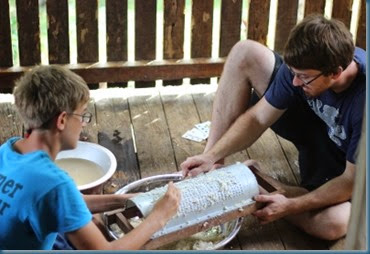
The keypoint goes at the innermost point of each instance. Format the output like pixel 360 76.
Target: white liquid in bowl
pixel 82 171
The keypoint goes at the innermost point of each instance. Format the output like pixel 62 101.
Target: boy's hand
pixel 167 206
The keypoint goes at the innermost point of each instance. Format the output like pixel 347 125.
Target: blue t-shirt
pixel 37 200
pixel 342 112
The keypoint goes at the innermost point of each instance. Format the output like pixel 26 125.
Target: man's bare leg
pixel 329 223
pixel 249 65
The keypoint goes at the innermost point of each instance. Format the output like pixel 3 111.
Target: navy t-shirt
pixel 342 112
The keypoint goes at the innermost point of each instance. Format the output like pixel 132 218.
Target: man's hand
pixel 198 164
pixel 277 206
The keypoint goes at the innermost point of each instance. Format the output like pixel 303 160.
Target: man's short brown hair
pixel 319 43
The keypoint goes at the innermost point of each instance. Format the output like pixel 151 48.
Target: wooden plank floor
pixel 143 128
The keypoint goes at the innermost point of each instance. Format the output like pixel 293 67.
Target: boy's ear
pixel 61 121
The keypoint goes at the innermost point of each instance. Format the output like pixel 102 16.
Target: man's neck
pixel 346 78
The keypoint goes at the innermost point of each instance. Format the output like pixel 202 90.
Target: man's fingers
pixel 263 198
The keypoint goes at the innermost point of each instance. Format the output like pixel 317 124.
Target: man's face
pixel 312 82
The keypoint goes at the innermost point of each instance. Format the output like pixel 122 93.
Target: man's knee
pixel 331 224
pixel 331 231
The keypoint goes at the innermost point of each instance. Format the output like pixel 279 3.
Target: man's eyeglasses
pixel 304 81
pixel 85 118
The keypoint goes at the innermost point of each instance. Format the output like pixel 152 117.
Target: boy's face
pixel 76 120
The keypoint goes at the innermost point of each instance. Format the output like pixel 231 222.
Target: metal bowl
pixel 229 229
pixel 97 154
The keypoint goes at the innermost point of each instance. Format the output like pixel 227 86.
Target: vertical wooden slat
pixel 116 26
pixel 231 17
pixel 317 6
pixel 285 21
pixel 201 32
pixel 173 33
pixel 28 32
pixel 87 32
pixel 58 31
pixel 5 35
pixel 361 30
pixel 145 33
pixel 258 20
pixel 342 10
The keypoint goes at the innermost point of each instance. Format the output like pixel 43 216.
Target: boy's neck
pixel 39 140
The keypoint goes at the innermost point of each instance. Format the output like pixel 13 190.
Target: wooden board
pixel 291 154
pixel 116 27
pixel 258 20
pixel 125 71
pixel 342 10
pixel 285 21
pixel 90 131
pixel 6 57
pixel 361 30
pixel 145 31
pixel 181 115
pixel 10 123
pixel 28 32
pixel 58 31
pixel 87 33
pixel 231 17
pixel 173 33
pixel 317 6
pixel 153 143
pixel 201 32
pixel 114 133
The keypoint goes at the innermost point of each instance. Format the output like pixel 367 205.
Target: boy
pixel 37 199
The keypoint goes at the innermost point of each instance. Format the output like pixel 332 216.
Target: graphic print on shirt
pixel 8 188
pixel 329 115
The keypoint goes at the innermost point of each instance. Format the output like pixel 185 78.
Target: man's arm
pixel 335 191
pixel 244 132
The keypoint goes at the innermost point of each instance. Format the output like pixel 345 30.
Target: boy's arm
pixel 106 202
pixel 90 238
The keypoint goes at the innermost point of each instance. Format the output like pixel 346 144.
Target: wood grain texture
pixel 114 133
pixel 153 143
pixel 258 20
pixel 317 6
pixel 28 32
pixel 145 33
pixel 116 37
pixel 361 30
pixel 231 17
pixel 124 71
pixel 181 115
pixel 286 19
pixel 6 57
pixel 58 31
pixel 201 32
pixel 87 31
pixel 342 10
pixel 10 123
pixel 173 33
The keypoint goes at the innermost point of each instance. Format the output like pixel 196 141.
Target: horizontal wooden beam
pixel 131 71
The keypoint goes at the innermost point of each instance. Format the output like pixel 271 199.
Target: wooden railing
pixel 145 68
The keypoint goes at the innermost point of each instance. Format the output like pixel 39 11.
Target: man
pixel 315 98
pixel 38 200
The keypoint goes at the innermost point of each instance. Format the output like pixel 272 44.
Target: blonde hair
pixel 46 91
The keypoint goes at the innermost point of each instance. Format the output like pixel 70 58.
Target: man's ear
pixel 61 121
pixel 337 73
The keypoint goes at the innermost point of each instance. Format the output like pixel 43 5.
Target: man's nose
pixel 297 82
